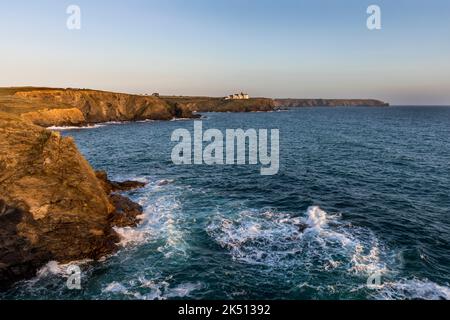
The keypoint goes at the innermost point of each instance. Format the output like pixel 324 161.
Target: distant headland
pixel 80 107
pixel 53 205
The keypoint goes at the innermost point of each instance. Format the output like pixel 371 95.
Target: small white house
pixel 238 96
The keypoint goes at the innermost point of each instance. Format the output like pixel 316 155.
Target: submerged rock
pixel 52 205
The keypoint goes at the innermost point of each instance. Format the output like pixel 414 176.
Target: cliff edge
pixel 53 206
pixel 76 107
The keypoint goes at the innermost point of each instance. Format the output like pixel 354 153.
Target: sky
pixel 279 49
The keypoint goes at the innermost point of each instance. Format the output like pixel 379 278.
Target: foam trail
pixel 160 221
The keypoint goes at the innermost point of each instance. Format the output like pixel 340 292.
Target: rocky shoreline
pixel 53 206
pixel 49 107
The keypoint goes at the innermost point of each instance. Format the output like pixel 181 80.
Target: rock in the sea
pixel 127 212
pixel 114 186
pixel 52 205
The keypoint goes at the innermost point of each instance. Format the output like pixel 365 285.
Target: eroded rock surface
pixel 127 212
pixel 95 106
pixel 52 205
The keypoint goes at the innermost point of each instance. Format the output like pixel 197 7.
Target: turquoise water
pixel 371 184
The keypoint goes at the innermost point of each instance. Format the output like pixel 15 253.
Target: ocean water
pixel 371 184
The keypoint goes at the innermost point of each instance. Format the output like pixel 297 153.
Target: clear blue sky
pixel 283 48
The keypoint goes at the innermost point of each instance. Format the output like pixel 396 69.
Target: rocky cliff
pixel 296 103
pixel 53 206
pixel 206 104
pixel 60 107
pixel 56 117
pixel 77 107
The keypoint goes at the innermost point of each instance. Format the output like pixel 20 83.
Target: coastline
pixel 54 107
pixel 32 212
pixel 53 206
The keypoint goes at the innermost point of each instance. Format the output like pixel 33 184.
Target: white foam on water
pixel 317 241
pixel 184 290
pixel 145 121
pixel 160 220
pixel 56 128
pixel 182 119
pixel 116 122
pixel 53 272
pixel 53 268
pixel 143 289
pixel 115 287
pixel 412 290
pixel 133 236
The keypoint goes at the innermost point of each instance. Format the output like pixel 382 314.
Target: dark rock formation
pixel 52 205
pixel 113 186
pixel 126 213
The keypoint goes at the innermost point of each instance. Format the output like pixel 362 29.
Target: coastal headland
pixel 53 205
pixel 48 107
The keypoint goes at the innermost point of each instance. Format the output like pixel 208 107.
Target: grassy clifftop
pixel 76 107
pixel 50 106
pixel 207 104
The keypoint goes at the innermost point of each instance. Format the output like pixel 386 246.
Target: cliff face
pixel 205 104
pixel 293 103
pixel 56 117
pixel 50 107
pixel 77 107
pixel 52 205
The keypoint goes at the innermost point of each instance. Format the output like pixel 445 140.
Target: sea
pixel 360 209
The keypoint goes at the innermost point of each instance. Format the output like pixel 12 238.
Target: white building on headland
pixel 238 96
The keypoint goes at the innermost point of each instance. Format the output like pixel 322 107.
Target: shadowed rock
pixel 114 186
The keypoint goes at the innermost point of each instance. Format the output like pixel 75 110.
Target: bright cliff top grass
pixel 11 103
pixel 15 101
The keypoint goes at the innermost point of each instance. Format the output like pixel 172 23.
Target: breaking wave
pixel 160 220
pixel 316 241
